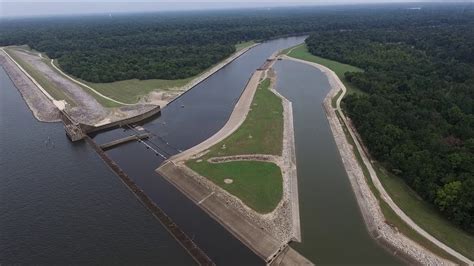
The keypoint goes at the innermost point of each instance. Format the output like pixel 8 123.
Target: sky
pixel 24 8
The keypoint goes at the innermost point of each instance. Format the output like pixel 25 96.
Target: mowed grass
pixel 262 130
pixel 426 215
pixel 55 92
pixel 301 52
pixel 390 216
pixel 257 184
pixel 130 91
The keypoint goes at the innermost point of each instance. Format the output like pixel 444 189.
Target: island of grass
pixel 259 184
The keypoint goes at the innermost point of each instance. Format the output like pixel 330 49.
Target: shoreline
pixel 382 232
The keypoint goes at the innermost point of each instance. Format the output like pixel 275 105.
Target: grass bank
pixel 262 130
pixel 301 52
pixel 257 184
pixel 424 214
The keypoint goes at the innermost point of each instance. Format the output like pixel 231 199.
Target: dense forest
pixel 173 45
pixel 416 112
pixel 416 115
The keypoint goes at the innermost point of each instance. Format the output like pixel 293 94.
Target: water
pixel 61 204
pixel 333 230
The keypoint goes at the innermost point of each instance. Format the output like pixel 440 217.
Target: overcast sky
pixel 22 8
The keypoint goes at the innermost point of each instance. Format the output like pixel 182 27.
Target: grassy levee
pixel 301 52
pixel 56 92
pixel 424 214
pixel 257 184
pixel 130 91
pixel 390 216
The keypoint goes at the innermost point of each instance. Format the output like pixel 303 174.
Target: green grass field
pixel 130 91
pixel 56 92
pixel 257 184
pixel 262 130
pixel 301 52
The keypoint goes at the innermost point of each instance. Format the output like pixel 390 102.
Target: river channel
pixel 333 230
pixel 64 205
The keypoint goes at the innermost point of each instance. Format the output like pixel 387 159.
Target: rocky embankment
pixel 41 107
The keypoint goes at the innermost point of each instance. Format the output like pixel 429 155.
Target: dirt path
pixel 420 253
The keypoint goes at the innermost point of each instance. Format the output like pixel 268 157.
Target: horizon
pixel 39 9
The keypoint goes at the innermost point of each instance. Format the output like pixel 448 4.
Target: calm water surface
pixel 333 229
pixel 61 204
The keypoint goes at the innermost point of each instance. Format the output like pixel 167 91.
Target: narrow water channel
pixel 60 204
pixel 333 230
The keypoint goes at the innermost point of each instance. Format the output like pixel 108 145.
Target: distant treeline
pixel 416 116
pixel 180 45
